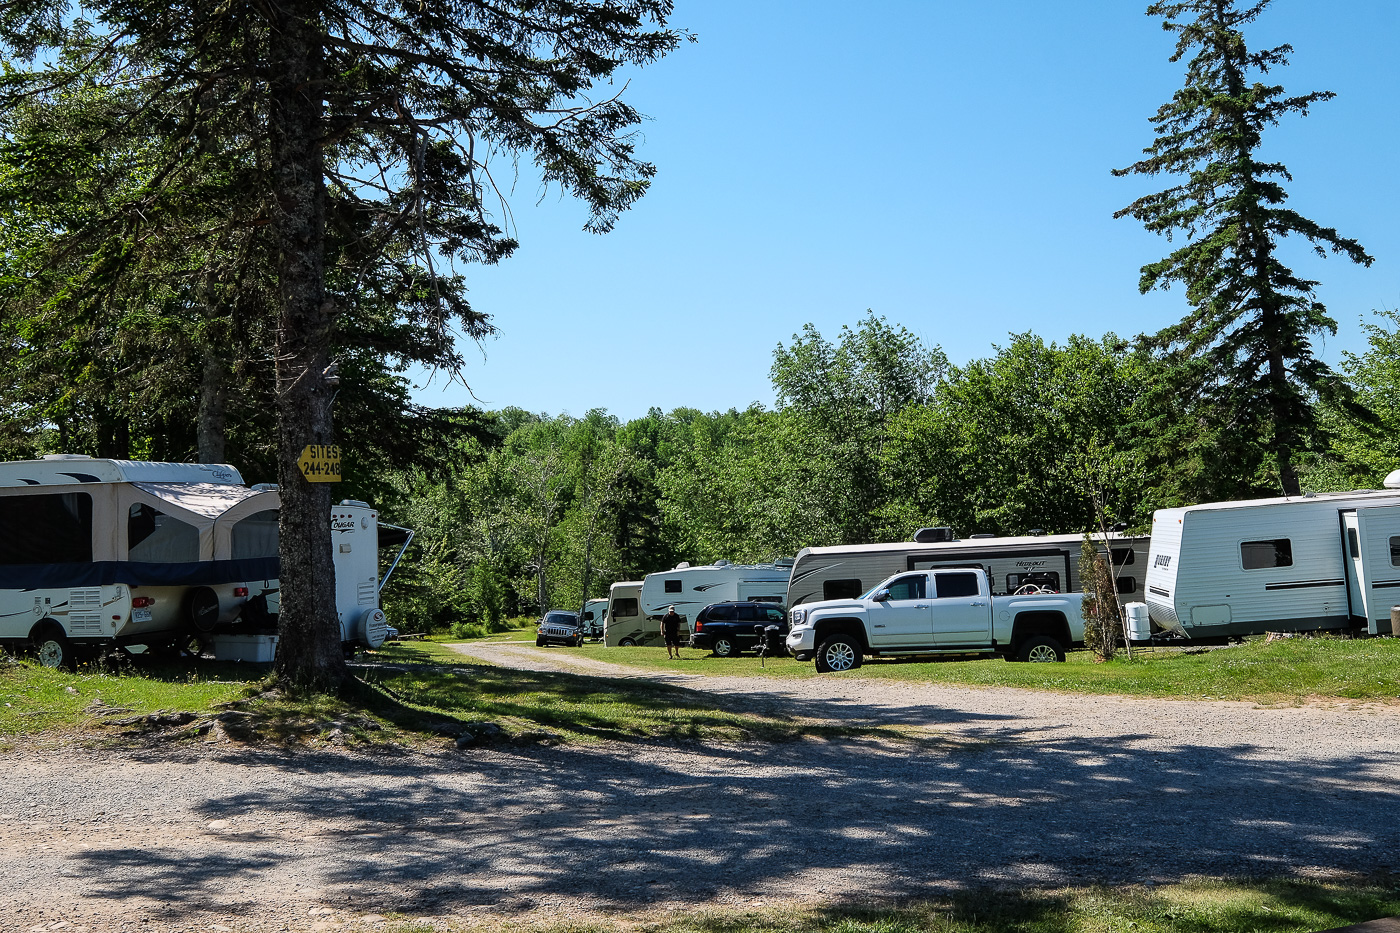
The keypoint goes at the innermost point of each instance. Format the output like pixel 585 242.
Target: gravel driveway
pixel 1027 788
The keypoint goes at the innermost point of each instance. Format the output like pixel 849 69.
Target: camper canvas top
pixel 75 469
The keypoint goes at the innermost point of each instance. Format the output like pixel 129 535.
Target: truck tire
pixel 725 647
pixel 52 647
pixel 1041 648
pixel 838 653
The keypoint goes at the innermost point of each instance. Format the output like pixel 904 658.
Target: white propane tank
pixel 1139 622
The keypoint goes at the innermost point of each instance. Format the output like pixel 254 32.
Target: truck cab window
pixel 911 587
pixel 955 585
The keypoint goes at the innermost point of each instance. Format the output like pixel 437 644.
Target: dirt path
pixel 1040 788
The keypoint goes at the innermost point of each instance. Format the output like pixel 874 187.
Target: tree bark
pixel 213 399
pixel 309 655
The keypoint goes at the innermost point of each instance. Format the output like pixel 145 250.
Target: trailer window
pixel 1352 544
pixel 48 529
pixel 673 586
pixel 624 607
pixel 254 536
pixel 1127 584
pixel 1045 579
pixel 955 585
pixel 841 589
pixel 1395 551
pixel 1259 555
pixel 1123 556
pixel 157 538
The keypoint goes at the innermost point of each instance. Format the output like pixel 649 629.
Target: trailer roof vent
pixel 683 565
pixel 1392 480
pixel 783 562
pixel 980 536
pixel 1036 532
pixel 933 535
pixel 66 457
pixel 723 563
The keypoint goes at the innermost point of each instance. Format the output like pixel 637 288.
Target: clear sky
pixel 944 164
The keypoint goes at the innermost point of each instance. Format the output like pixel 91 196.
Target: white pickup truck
pixel 933 612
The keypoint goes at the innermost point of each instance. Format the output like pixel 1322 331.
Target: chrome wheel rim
pixel 840 657
pixel 51 654
pixel 1041 654
pixel 723 648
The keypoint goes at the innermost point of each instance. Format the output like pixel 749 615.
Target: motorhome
pixel 626 625
pixel 97 552
pixel 1025 563
pixel 1316 561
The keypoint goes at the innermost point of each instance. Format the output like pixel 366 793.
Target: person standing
pixel 671 631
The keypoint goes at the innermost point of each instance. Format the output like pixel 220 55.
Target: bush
pixel 467 630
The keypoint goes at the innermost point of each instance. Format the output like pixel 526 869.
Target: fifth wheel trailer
pixel 97 552
pixel 1303 563
pixel 1048 562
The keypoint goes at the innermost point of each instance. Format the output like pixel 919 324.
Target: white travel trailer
pixel 96 552
pixel 595 618
pixel 1045 562
pixel 1317 561
pixel 626 624
pixel 691 589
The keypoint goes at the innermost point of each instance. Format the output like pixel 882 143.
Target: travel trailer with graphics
pixel 97 552
pixel 1026 563
pixel 1317 561
pixel 691 589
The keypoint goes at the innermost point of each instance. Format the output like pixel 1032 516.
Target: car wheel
pixel 838 653
pixel 540 642
pixel 52 649
pixel 725 647
pixel 1041 649
pixel 627 643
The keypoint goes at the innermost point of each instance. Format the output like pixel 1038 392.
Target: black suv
pixel 728 629
pixel 559 628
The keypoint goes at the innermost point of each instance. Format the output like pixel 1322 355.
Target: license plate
pixel 140 615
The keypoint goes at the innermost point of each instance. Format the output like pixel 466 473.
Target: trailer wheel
pixel 1041 649
pixel 725 647
pixel 52 648
pixel 838 653
pixel 627 643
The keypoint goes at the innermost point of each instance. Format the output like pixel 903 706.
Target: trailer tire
pixel 1041 648
pixel 838 653
pixel 627 643
pixel 52 648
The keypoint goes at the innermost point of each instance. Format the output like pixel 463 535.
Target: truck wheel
pixel 838 653
pixel 725 647
pixel 52 649
pixel 627 643
pixel 540 642
pixel 1042 649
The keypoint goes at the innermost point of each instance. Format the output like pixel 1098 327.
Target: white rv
pixel 626 624
pixel 691 589
pixel 594 620
pixel 1324 561
pixel 96 552
pixel 1028 563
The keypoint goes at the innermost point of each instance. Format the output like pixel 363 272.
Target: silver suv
pixel 559 628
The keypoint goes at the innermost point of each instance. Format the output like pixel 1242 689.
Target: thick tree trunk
pixel 213 398
pixel 309 654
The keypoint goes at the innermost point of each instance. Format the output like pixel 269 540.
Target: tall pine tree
pixel 1241 377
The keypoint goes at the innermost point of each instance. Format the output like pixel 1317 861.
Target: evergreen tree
pixel 1241 378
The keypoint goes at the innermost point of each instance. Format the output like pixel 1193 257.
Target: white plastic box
pixel 255 649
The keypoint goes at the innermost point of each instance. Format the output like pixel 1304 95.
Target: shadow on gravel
pixel 840 819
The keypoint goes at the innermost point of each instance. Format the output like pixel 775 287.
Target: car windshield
pixel 561 618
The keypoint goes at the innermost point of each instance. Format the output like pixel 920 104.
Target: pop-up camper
pixel 96 552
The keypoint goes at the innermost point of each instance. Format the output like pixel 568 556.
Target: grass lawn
pixel 1198 906
pixel 410 693
pixel 1289 670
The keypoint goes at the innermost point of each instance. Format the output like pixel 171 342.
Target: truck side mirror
pixel 881 596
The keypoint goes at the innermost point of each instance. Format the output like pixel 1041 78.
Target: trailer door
pixel 1355 566
pixel 1378 529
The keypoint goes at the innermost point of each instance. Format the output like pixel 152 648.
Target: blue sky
pixel 944 164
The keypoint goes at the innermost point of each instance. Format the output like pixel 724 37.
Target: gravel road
pixel 1022 787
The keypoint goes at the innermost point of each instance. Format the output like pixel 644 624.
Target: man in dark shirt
pixel 671 631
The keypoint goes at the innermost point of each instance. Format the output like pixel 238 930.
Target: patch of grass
pixel 1289 670
pixel 1196 906
pixel 439 682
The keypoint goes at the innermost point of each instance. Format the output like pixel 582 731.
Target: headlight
pixel 799 616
